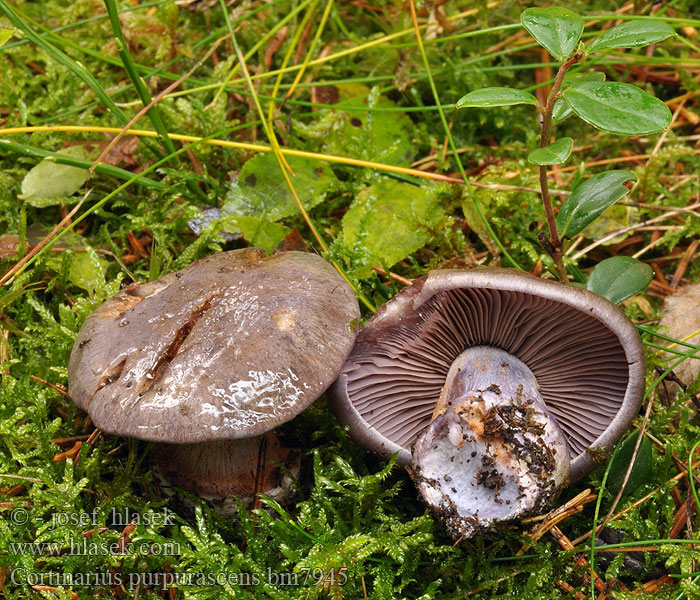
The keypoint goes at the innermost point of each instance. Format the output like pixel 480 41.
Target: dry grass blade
pixel 314 43
pixel 556 516
pixel 261 42
pixel 65 221
pixel 153 102
pixel 628 472
pixel 684 263
pixel 617 232
pixel 579 560
pixel 244 146
pixel 60 390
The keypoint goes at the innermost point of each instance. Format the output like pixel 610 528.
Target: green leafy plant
pixel 613 107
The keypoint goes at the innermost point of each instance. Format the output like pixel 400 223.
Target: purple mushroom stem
pixel 492 451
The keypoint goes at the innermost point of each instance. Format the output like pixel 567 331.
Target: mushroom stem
pixel 492 451
pixel 226 468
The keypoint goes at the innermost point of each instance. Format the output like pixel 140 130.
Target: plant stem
pixel 554 246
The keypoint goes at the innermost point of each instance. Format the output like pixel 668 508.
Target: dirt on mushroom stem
pixel 492 451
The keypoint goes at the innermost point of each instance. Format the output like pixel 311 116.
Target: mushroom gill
pixel 585 354
pixel 580 366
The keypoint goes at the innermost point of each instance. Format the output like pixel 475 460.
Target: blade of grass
pixel 628 472
pixel 278 155
pixel 679 342
pixel 136 80
pixel 212 140
pixel 662 349
pixel 681 541
pixel 691 479
pixel 661 336
pixel 290 50
pixel 261 42
pixel 594 528
pixel 287 57
pixel 312 48
pixel 62 159
pixel 453 146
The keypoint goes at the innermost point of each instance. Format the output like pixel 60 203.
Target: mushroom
pixel 205 362
pixel 494 388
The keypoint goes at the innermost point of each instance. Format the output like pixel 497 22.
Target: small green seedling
pixel 609 106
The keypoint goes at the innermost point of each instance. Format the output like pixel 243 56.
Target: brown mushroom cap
pixel 229 347
pixel 586 355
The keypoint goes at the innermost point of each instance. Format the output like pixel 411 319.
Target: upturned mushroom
pixel 494 388
pixel 207 361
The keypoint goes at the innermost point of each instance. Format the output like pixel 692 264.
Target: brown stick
pixel 9 274
pixel 683 265
pixel 546 132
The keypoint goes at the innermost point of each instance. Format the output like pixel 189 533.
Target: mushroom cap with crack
pixel 229 347
pixel 586 355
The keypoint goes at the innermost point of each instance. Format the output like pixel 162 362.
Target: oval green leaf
pixel 495 96
pixel 618 108
pixel 5 35
pixel 633 34
pixel 556 28
pixel 556 153
pixel 641 469
pixel 589 199
pixel 619 277
pixel 49 183
pixel 571 79
pixel 561 109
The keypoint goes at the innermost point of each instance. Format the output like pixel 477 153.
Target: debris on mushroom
pixel 207 360
pixel 585 356
pixel 493 451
